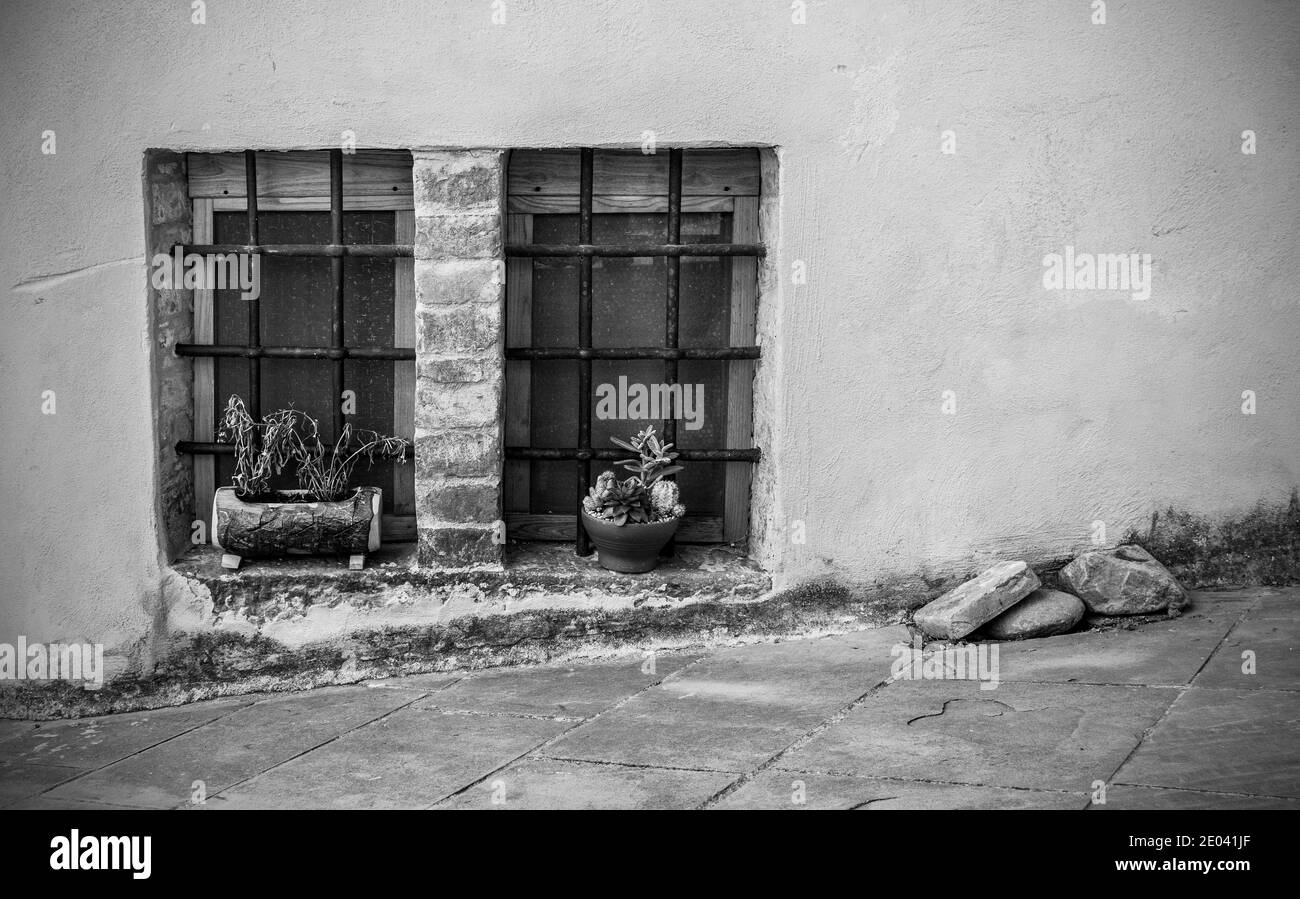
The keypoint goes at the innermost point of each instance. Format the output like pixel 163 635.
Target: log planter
pixel 630 548
pixel 284 524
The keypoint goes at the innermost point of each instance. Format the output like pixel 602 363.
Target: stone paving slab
pixel 779 789
pixel 738 707
pixel 1056 737
pixel 1234 741
pixel 549 784
pixel 410 759
pixel 1069 711
pixel 21 780
pixel 234 748
pixel 95 742
pixel 575 691
pixel 45 804
pixel 1167 653
pixel 1120 797
pixel 1275 642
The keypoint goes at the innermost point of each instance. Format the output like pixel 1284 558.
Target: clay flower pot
pixel 632 548
pixel 283 524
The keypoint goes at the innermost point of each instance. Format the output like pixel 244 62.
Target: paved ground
pixel 1158 717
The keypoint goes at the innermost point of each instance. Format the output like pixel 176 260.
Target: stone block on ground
pixel 1126 580
pixel 1043 613
pixel 963 609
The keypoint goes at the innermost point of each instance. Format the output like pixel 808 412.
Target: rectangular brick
pixel 461 236
pixel 459 501
pixel 458 181
pixel 458 547
pixel 455 281
pixel 459 369
pixel 458 453
pixel 466 330
pixel 441 405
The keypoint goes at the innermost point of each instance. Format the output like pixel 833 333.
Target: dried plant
pixel 263 450
pixel 642 498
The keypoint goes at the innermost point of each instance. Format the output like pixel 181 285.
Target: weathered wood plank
pixel 519 333
pixel 562 204
pixel 731 172
pixel 399 528
pixel 404 372
pixel 740 372
pixel 301 173
pixel 377 203
pixel 205 466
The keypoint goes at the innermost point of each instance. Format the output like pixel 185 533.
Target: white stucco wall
pixel 924 269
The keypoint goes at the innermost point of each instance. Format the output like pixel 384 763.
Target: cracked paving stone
pixel 44 803
pixel 780 789
pixel 578 691
pixel 739 707
pixel 22 781
pixel 1055 737
pixel 410 759
pixel 1272 636
pixel 95 742
pixel 550 784
pixel 233 748
pixel 1234 741
pixel 1163 653
pixel 1121 796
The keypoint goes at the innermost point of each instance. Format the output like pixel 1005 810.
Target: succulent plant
pixel 642 498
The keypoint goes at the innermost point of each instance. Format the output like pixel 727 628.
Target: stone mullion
pixel 460 369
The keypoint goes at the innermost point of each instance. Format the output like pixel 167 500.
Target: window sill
pixel 540 572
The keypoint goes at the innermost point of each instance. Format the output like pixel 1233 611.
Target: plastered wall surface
pixel 923 269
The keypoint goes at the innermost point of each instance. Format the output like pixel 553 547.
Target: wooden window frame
pixel 367 181
pixel 561 182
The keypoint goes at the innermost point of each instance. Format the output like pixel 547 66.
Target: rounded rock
pixel 1043 613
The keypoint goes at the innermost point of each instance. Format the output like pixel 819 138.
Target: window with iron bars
pixel 628 273
pixel 332 332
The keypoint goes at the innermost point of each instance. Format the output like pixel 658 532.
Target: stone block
pixel 457 281
pixel 461 236
pixel 963 609
pixel 458 547
pixel 465 330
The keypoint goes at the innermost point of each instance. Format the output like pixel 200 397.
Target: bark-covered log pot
pixel 284 524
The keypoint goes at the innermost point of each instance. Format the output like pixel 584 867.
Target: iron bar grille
pixel 583 454
pixel 338 351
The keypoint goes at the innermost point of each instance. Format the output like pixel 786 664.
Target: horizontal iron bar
pixel 685 455
pixel 635 352
pixel 385 250
pixel 662 249
pixel 396 354
pixel 228 449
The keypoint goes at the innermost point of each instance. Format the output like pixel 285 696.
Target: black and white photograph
pixel 656 405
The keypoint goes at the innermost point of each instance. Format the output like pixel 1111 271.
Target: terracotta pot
pixel 278 525
pixel 632 548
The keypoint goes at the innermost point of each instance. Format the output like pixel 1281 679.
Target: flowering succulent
pixel 642 498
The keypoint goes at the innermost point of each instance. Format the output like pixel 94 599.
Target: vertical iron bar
pixel 674 280
pixel 673 297
pixel 254 307
pixel 583 546
pixel 336 273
